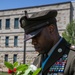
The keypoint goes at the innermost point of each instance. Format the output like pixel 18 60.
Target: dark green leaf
pixel 9 65
pixel 22 67
pixel 15 64
pixel 37 71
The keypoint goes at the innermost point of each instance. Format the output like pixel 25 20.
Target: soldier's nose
pixel 34 41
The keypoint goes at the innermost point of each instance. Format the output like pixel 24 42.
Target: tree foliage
pixel 69 33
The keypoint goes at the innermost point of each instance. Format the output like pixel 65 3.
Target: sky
pixel 11 4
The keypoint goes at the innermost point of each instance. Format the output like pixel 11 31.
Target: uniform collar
pixel 53 48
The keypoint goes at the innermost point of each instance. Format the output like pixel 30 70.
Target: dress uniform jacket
pixel 61 62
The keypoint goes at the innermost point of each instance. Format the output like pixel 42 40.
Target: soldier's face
pixel 43 41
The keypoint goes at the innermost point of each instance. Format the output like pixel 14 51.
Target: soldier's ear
pixel 51 28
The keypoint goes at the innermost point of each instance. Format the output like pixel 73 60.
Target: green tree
pixel 69 33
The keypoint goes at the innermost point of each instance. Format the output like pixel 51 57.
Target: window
pixel 7 41
pixel 0 24
pixel 14 58
pixel 16 23
pixel 6 57
pixel 0 41
pixel 15 41
pixel 7 23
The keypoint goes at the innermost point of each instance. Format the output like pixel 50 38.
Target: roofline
pixel 36 6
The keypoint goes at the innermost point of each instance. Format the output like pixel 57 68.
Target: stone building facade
pixel 12 35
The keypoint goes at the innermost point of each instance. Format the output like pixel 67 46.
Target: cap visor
pixel 32 34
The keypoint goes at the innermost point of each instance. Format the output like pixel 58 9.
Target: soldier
pixel 55 54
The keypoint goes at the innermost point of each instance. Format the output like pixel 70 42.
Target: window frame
pixel 6 58
pixel 16 23
pixel 7 24
pixel 7 41
pixel 15 41
pixel 0 24
pixel 14 58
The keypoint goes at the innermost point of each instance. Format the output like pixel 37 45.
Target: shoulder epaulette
pixel 72 47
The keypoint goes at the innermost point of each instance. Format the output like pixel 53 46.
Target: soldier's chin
pixel 38 50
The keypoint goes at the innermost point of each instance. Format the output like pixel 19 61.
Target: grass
pixel 3 73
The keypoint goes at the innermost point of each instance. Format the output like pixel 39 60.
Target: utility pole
pixel 24 57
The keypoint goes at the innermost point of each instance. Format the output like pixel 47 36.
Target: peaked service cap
pixel 34 24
